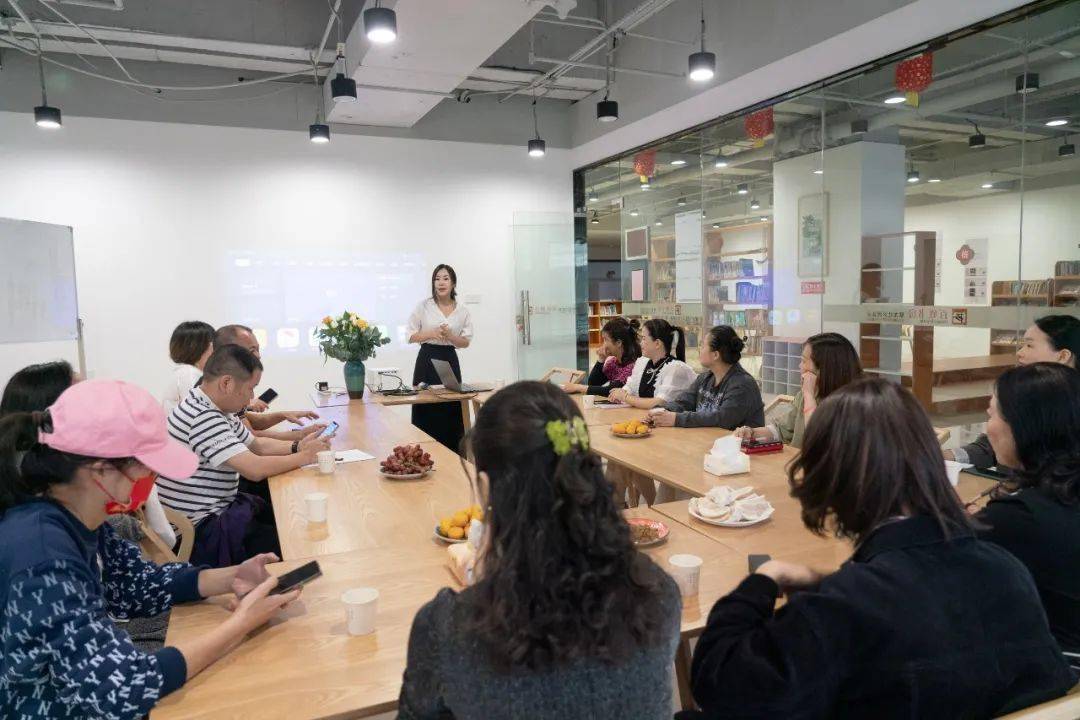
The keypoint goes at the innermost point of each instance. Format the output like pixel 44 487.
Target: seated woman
pixel 566 619
pixel 925 619
pixel 189 348
pixel 35 388
pixel 1034 428
pixel 1053 338
pixel 828 363
pixel 724 396
pixel 619 351
pixel 64 573
pixel 661 371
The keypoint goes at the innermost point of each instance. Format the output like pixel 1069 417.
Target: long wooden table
pixel 427 397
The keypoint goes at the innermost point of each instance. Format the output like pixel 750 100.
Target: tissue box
pixel 462 562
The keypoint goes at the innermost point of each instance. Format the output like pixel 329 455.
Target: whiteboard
pixel 38 301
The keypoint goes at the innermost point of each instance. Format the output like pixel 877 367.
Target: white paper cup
pixel 361 605
pixel 326 461
pixel 952 469
pixel 316 506
pixel 686 569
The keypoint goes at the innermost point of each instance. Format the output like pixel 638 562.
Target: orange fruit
pixel 456 533
pixel 444 526
pixel 642 430
pixel 460 520
pixel 619 428
pixel 477 512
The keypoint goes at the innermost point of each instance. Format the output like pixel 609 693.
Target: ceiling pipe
pixel 590 66
pixel 114 5
pixel 599 26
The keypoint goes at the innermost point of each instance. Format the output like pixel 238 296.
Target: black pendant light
pixel 318 131
pixel 595 218
pixel 342 89
pixel 978 140
pixel 1027 83
pixel 45 115
pixel 702 64
pixel 380 24
pixel 607 110
pixel 860 126
pixel 537 147
pixel 1067 149
pixel 755 205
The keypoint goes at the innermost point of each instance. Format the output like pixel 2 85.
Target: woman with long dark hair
pixel 724 396
pixel 1052 338
pixel 828 363
pixel 925 620
pixel 566 619
pixel 619 350
pixel 1034 429
pixel 662 371
pixel 441 325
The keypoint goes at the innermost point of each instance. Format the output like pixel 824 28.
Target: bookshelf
pixel 780 365
pixel 600 311
pixel 738 281
pixel 1016 293
pixel 1066 284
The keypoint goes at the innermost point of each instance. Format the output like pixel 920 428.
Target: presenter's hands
pixel 444 332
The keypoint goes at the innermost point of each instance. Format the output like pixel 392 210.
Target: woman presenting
pixel 441 326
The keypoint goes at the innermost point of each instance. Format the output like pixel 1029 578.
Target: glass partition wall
pixel 927 207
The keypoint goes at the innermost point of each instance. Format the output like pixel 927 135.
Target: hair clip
pixel 567 434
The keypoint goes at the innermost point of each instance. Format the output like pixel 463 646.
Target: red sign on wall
pixel 813 287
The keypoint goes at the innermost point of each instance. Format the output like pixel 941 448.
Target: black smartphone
pixel 268 396
pixel 757 561
pixel 329 429
pixel 295 578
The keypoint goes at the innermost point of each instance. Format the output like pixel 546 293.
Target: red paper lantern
pixel 915 75
pixel 645 163
pixel 759 125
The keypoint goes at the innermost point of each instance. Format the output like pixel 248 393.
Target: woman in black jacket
pixel 925 620
pixel 1034 427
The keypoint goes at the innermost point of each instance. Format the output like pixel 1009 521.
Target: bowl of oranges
pixel 632 429
pixel 455 528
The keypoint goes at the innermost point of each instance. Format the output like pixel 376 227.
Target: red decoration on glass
pixel 965 254
pixel 645 163
pixel 915 75
pixel 759 125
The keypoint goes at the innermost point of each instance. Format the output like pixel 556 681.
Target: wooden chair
pixel 157 549
pixel 573 375
pixel 1064 708
pixel 943 435
pixel 777 406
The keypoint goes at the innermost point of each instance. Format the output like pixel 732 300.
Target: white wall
pixel 1050 219
pixel 162 212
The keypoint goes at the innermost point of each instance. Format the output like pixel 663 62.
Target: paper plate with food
pixel 726 506
pixel 632 429
pixel 407 462
pixel 455 528
pixel 645 532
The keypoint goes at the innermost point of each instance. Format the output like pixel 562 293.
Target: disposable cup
pixel 952 469
pixel 316 506
pixel 361 606
pixel 686 570
pixel 326 461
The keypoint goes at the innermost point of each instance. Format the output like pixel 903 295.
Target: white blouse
pixel 428 316
pixel 183 379
pixel 674 377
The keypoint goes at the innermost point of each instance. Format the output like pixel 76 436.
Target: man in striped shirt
pixel 230 526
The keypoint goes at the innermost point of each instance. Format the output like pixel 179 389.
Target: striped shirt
pixel 215 437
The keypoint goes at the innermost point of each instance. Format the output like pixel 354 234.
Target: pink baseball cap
pixel 115 419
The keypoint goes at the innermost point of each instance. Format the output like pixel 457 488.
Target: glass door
pixel 544 285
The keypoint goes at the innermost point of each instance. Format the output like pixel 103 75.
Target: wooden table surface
pixel 422 397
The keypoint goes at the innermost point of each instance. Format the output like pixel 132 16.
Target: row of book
pixel 733 269
pixel 1067 267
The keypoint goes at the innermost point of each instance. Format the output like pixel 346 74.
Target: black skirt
pixel 441 421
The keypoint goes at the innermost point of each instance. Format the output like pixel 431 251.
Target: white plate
pixel 413 476
pixel 450 541
pixel 631 436
pixel 726 523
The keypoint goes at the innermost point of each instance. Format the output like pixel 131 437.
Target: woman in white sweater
pixel 659 375
pixel 661 371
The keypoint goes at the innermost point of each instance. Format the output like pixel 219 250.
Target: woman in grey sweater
pixel 724 396
pixel 566 619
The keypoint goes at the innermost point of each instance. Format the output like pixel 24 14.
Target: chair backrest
pixel 943 435
pixel 184 529
pixel 777 407
pixel 573 376
pixel 1064 708
pixel 153 547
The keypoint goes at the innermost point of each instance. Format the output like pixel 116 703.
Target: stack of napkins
pixel 733 504
pixel 727 457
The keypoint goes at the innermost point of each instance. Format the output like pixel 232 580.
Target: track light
pixel 681 202
pixel 978 140
pixel 537 147
pixel 720 162
pixel 987 185
pixel 860 126
pixel 593 197
pixel 1066 150
pixel 343 89
pixel 380 24
pixel 933 180
pixel 742 189
pixel 45 115
pixel 702 64
pixel 319 133
pixel 678 162
pixel 1027 83
pixel 755 205
pixel 595 218
pixel 913 176
pixel 895 100
pixel 607 110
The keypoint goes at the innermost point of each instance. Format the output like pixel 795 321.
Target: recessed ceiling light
pixel 680 161
pixel 1057 122
pixel 895 100
pixel 819 171
pixel 987 185
pixel 930 180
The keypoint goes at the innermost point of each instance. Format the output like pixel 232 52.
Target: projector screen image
pixel 283 296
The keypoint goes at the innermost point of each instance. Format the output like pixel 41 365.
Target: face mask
pixel 140 491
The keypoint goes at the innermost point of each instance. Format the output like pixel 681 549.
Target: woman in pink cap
pixel 64 573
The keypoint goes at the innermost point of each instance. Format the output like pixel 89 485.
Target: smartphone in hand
pixel 268 396
pixel 298 577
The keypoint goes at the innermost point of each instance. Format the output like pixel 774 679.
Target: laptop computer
pixel 450 381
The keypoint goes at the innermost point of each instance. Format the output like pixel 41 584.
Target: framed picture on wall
pixel 812 226
pixel 636 243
